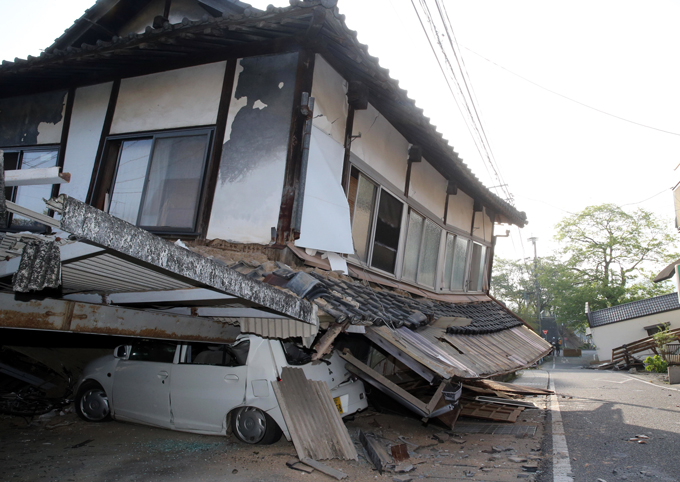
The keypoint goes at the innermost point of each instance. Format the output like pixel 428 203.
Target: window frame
pixel 442 234
pixel 353 258
pixel 112 164
pixel 15 189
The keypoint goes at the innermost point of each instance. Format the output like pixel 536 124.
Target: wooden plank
pixel 324 468
pixel 36 177
pixel 509 387
pixel 377 454
pixel 437 395
pixel 491 412
pixel 394 388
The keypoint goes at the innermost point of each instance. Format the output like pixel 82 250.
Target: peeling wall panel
pixel 87 120
pixel 330 100
pixel 177 98
pixel 460 211
pixel 250 181
pixel 32 119
pixel 325 216
pixel 380 146
pixel 428 187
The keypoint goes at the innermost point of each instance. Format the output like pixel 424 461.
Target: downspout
pixel 307 109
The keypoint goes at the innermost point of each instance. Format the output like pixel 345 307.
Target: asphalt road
pixel 601 410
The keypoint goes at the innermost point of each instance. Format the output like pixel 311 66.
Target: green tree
pixel 607 257
pixel 613 254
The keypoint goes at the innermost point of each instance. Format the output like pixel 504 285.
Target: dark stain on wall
pixel 21 116
pixel 260 136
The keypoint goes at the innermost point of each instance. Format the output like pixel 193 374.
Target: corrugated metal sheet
pixel 278 328
pixel 468 356
pixel 106 272
pixel 313 420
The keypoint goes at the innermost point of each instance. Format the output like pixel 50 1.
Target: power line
pixel 463 94
pixel 569 98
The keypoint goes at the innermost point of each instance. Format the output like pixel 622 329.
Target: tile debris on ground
pixel 54 450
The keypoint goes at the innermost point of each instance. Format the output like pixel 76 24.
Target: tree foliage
pixel 607 257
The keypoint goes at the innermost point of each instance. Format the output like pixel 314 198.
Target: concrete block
pixel 674 374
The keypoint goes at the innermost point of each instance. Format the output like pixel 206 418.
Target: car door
pixel 208 382
pixel 141 383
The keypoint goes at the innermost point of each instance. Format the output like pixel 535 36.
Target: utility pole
pixel 538 287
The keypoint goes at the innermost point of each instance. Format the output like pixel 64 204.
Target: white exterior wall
pixel 325 215
pixel 178 98
pixel 459 214
pixel 608 337
pixel 428 187
pixel 483 226
pixel 380 145
pixel 87 120
pixel 329 90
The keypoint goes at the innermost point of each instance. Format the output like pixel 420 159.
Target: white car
pixel 206 388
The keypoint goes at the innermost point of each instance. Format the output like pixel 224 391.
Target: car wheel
pixel 92 403
pixel 253 426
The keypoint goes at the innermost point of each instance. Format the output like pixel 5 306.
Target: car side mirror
pixel 120 351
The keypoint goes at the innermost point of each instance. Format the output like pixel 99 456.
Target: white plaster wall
pixel 460 211
pixel 325 214
pixel 380 145
pixel 87 120
pixel 177 98
pixel 610 336
pixel 483 226
pixel 428 187
pixel 329 90
pixel 49 133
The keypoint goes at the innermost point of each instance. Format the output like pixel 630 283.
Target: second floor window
pixel 376 222
pixel 158 179
pixel 422 250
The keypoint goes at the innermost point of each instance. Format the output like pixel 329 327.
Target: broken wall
pixel 483 226
pixel 459 214
pixel 325 215
pixel 87 120
pixel 32 119
pixel 250 181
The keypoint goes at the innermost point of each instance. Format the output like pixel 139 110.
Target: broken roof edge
pixel 98 227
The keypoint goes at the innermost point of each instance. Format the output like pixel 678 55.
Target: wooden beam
pixel 34 177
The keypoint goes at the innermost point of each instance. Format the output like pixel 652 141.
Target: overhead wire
pixel 570 99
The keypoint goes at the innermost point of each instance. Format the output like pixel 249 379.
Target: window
pixel 158 179
pixel 220 355
pixel 454 263
pixel 153 350
pixel 477 263
pixel 422 250
pixel 30 197
pixel 376 222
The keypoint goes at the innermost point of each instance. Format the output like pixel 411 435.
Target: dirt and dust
pixel 65 448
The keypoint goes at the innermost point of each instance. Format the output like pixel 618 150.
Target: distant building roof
pixel 635 309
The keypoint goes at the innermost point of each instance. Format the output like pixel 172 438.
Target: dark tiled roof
pixel 363 305
pixel 635 309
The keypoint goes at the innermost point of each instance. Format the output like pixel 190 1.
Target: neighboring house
pixel 270 143
pixel 626 323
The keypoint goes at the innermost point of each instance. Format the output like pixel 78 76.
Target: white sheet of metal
pixel 330 100
pixel 176 98
pixel 325 215
pixel 87 119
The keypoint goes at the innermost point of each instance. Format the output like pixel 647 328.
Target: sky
pixel 555 155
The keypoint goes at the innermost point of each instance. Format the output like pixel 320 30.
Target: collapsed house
pixel 213 169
